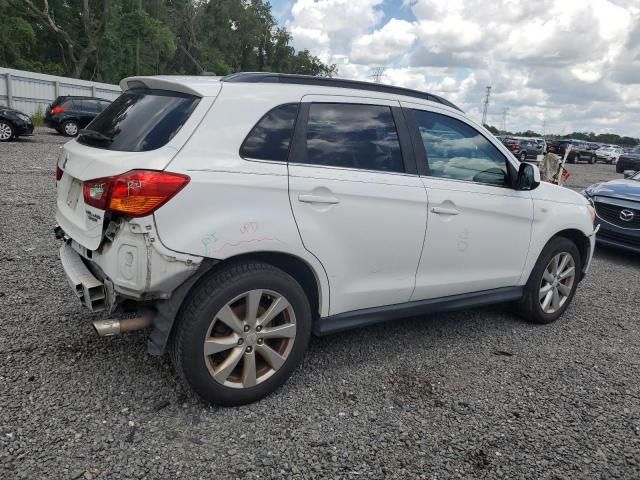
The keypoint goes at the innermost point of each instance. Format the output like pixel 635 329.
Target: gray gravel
pixel 476 394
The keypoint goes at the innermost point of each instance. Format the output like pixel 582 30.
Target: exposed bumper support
pixel 87 288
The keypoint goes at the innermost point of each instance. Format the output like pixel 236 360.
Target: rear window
pixel 139 121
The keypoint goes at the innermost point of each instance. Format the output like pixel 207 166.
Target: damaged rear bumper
pixel 84 284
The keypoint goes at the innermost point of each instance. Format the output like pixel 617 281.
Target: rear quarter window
pixel 270 138
pixel 140 120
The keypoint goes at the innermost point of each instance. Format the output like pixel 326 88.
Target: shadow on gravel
pixel 617 256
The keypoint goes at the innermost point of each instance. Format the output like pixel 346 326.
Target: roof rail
pixel 266 77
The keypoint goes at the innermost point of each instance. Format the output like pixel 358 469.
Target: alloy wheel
pixel 71 129
pixel 557 281
pixel 5 131
pixel 250 338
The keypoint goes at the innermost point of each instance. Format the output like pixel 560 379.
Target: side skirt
pixel 369 316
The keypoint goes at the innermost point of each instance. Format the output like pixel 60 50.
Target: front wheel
pixel 6 131
pixel 552 283
pixel 243 331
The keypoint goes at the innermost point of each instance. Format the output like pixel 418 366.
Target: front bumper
pixel 612 236
pixel 24 129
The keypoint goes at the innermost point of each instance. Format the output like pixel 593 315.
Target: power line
pixel 505 112
pixel 377 74
pixel 486 105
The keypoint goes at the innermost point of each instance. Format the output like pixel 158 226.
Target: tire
pixel 531 305
pixel 572 159
pixel 523 156
pixel 229 290
pixel 592 159
pixel 70 128
pixel 7 132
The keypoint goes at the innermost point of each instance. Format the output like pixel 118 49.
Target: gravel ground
pixel 475 394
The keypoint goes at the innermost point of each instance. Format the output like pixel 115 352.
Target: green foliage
pixel 148 37
pixel 38 117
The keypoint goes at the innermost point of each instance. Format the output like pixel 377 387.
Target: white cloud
pixel 381 46
pixel 573 64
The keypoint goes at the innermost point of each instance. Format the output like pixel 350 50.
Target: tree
pixel 77 30
pixel 107 40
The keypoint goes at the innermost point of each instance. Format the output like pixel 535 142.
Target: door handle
pixel 318 199
pixel 444 211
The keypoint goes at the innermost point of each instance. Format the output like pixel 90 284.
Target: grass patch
pixel 38 117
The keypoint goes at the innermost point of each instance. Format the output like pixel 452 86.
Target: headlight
pixel 24 117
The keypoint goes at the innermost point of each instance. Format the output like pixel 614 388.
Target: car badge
pixel 626 215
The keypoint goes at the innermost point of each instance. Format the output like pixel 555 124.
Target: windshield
pixel 139 121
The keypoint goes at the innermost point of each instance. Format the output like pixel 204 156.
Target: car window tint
pixel 456 150
pixel 140 120
pixel 269 139
pixel 90 106
pixel 354 136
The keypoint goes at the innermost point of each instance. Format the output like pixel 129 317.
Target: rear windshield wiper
pixel 95 134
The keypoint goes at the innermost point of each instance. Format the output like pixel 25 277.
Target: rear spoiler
pixel 198 86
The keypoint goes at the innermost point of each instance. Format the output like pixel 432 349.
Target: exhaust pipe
pixel 116 326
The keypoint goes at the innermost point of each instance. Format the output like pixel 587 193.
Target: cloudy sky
pixel 563 64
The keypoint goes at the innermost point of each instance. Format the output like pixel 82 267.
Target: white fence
pixel 26 91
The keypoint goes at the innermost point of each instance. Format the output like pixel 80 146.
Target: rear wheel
pixel 6 131
pixel 242 333
pixel 70 128
pixel 592 159
pixel 523 156
pixel 552 283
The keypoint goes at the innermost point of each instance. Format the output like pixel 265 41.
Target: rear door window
pixel 140 120
pixel 353 136
pixel 270 138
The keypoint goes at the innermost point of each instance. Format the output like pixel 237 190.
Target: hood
pixel 624 189
pixel 554 193
pixel 11 110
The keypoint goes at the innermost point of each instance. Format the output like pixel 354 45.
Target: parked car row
pixel 67 115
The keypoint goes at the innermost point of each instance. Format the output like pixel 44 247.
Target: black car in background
pixel 14 123
pixel 522 148
pixel 580 150
pixel 69 114
pixel 617 205
pixel 629 160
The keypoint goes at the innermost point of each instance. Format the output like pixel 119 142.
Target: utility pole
pixel 486 105
pixel 138 44
pixel 377 74
pixel 504 119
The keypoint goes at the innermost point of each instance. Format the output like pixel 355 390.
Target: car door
pixel 359 206
pixel 479 228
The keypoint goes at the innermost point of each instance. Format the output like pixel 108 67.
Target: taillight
pixel 59 173
pixel 56 110
pixel 136 193
pixel 96 192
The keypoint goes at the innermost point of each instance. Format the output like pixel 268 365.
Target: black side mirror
pixel 528 177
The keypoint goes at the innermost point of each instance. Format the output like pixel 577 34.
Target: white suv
pixel 242 214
